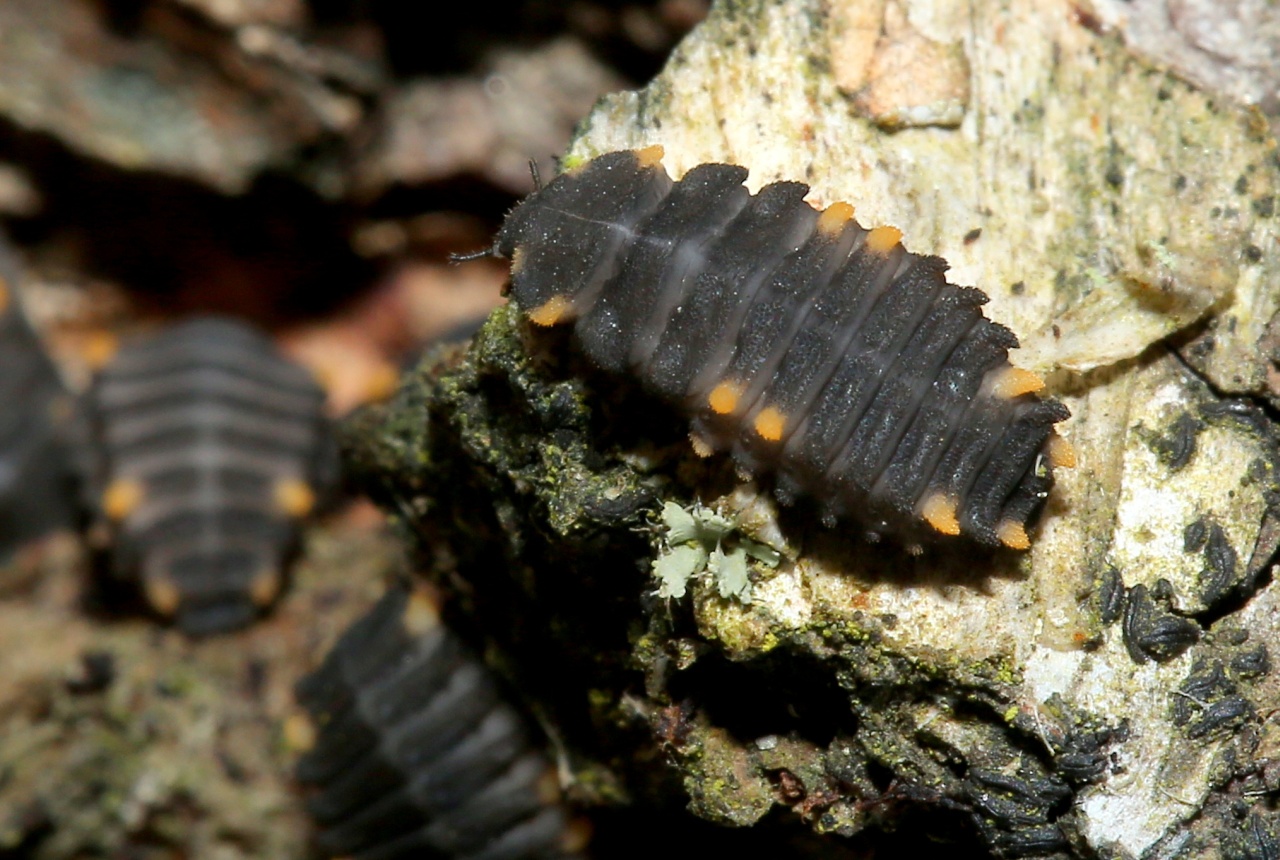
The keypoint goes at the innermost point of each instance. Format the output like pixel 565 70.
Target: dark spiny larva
pixel 210 447
pixel 812 348
pixel 414 753
pixel 36 487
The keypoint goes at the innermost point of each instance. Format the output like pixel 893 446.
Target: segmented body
pixel 36 487
pixel 413 751
pixel 813 349
pixel 210 447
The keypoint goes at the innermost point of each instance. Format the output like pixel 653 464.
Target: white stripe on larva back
pixel 115 394
pixel 137 426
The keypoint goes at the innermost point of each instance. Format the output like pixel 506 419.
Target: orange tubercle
pixel 265 587
pixel 650 156
pixel 99 348
pixel 1013 535
pixel 882 240
pixel 701 446
pixel 294 497
pixel 163 596
pixel 834 217
pixel 121 498
pixel 1011 382
pixel 724 397
pixel 556 309
pixel 421 614
pixel 939 511
pixel 770 423
pixel 1062 454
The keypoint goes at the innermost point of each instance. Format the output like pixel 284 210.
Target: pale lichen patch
pixel 697 542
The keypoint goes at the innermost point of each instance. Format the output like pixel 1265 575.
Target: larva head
pixel 563 240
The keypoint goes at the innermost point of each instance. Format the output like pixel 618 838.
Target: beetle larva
pixel 815 350
pixel 211 448
pixel 36 478
pixel 413 752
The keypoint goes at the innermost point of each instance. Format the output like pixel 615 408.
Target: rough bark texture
pixel 1107 692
